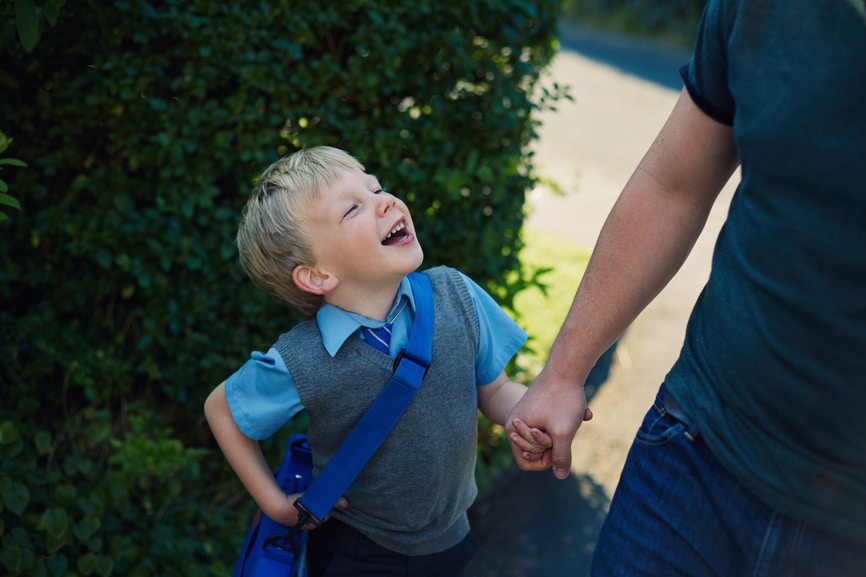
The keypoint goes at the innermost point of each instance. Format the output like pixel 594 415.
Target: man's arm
pixel 645 240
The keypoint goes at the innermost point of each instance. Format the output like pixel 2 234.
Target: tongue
pixel 394 239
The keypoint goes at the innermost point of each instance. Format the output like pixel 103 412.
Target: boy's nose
pixel 386 202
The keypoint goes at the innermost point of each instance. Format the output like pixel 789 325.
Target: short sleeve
pixel 706 75
pixel 262 395
pixel 499 337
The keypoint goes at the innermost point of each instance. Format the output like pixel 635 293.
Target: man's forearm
pixel 647 236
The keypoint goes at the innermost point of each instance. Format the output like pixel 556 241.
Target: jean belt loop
pixel 674 410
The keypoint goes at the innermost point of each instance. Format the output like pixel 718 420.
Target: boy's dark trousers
pixel 337 550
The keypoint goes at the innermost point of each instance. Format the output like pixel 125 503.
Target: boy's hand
pixel 530 445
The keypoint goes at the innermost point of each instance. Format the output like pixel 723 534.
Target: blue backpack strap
pixel 382 415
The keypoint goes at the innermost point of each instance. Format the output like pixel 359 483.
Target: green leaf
pixel 52 11
pixel 12 162
pixel 16 496
pixel 91 562
pixel 27 19
pixel 86 528
pixel 43 442
pixel 7 200
pixel 103 257
pixel 65 493
pixel 58 565
pixel 86 563
pixel 11 557
pixel 485 173
pixel 56 521
pixel 124 203
pixel 8 433
pixel 55 543
pixel 104 565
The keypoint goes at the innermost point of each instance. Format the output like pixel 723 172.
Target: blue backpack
pixel 259 557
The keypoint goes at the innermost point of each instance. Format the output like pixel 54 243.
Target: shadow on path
pixel 535 525
pixel 640 57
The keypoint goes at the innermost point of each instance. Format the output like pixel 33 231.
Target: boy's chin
pixel 419 259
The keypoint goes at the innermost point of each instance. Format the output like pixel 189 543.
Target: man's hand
pixel 558 408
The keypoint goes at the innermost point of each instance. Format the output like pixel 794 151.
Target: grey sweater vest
pixel 413 495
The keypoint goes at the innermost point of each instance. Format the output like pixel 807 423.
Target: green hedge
pixel 142 125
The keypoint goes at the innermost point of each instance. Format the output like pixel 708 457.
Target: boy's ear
pixel 312 280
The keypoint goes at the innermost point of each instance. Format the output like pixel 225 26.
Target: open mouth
pixel 397 234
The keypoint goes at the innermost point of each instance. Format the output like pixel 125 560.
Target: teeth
pixel 395 230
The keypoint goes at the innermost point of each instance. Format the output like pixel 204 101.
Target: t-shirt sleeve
pixel 706 75
pixel 499 337
pixel 262 395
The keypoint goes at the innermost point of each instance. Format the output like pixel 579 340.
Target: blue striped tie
pixel 379 338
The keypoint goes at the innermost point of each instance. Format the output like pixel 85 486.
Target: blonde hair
pixel 273 236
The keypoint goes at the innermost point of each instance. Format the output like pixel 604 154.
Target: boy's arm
pixel 246 458
pixel 497 398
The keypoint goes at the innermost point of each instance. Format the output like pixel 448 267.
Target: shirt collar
pixel 337 325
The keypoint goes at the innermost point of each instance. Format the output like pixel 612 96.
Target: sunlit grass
pixel 541 315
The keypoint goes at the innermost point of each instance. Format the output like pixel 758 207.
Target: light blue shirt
pixel 263 397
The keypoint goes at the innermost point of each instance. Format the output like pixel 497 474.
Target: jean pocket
pixel 658 427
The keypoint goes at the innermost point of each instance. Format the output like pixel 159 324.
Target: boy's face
pixel 361 234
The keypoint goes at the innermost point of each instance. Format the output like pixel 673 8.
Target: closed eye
pixel 352 209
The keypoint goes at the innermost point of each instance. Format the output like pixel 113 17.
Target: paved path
pixel 623 91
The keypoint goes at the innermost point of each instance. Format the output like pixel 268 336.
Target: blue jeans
pixel 676 511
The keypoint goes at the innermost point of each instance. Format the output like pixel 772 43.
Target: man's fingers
pixel 561 458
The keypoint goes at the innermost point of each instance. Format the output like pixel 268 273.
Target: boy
pixel 321 235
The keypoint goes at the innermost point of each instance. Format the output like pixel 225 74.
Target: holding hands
pixel 556 409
